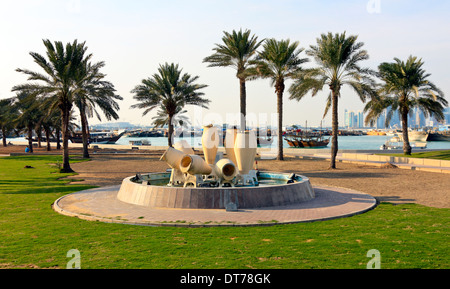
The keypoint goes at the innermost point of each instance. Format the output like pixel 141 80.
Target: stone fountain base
pixel 155 196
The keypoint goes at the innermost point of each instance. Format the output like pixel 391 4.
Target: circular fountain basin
pixel 273 190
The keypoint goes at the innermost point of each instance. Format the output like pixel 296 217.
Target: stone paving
pixel 101 204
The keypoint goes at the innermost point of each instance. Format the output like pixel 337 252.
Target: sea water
pixel 365 142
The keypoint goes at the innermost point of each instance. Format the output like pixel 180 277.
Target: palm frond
pixel 171 90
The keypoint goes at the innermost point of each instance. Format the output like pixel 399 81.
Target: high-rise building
pixel 360 119
pixel 353 119
pixel 447 115
pixel 346 118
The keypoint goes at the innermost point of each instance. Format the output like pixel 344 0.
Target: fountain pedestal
pixel 160 196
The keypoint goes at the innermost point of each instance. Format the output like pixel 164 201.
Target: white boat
pixel 394 132
pixel 415 136
pixel 140 143
pixel 396 143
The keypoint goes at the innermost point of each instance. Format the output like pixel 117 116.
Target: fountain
pixel 214 191
pixel 214 182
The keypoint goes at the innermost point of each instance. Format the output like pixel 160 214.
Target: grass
pixel 437 155
pixel 34 236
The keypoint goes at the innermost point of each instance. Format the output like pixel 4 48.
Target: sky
pixel 134 37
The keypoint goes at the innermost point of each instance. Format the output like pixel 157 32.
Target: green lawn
pixel 34 236
pixel 437 155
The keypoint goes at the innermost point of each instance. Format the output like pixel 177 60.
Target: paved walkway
pixel 101 204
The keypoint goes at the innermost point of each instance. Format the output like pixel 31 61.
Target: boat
pixel 396 143
pixel 263 141
pixel 439 136
pixel 376 132
pixel 140 143
pixel 346 133
pixel 97 137
pixel 143 133
pixel 306 141
pixel 394 132
pixel 415 136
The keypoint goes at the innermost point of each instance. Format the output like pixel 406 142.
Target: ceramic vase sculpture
pixel 245 149
pixel 194 165
pixel 230 140
pixel 184 146
pixel 173 158
pixel 225 169
pixel 210 143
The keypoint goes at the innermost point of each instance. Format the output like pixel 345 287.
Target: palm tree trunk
pixel 47 136
pixel 335 128
pixel 30 137
pixel 243 98
pixel 39 135
pixel 280 89
pixel 65 111
pixel 406 145
pixel 4 137
pixel 170 133
pixel 58 140
pixel 84 133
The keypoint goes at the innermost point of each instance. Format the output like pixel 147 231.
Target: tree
pixel 237 50
pixel 161 119
pixel 58 83
pixel 29 114
pixel 8 113
pixel 94 91
pixel 170 90
pixel 279 61
pixel 338 58
pixel 405 86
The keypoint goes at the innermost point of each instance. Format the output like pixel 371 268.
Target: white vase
pixel 210 143
pixel 172 157
pixel 194 165
pixel 245 149
pixel 230 140
pixel 225 169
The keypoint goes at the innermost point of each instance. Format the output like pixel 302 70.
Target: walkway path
pixel 101 204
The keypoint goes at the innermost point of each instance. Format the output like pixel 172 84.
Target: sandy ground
pixel 386 184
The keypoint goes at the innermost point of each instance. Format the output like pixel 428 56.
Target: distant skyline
pixel 134 37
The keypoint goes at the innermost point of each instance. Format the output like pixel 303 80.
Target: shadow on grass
pixel 42 188
pixel 47 158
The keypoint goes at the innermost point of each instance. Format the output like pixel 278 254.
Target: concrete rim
pixel 101 204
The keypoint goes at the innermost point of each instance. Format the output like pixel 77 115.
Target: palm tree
pixel 338 57
pixel 94 91
pixel 8 113
pixel 29 114
pixel 237 50
pixel 406 86
pixel 161 119
pixel 58 83
pixel 170 90
pixel 279 61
